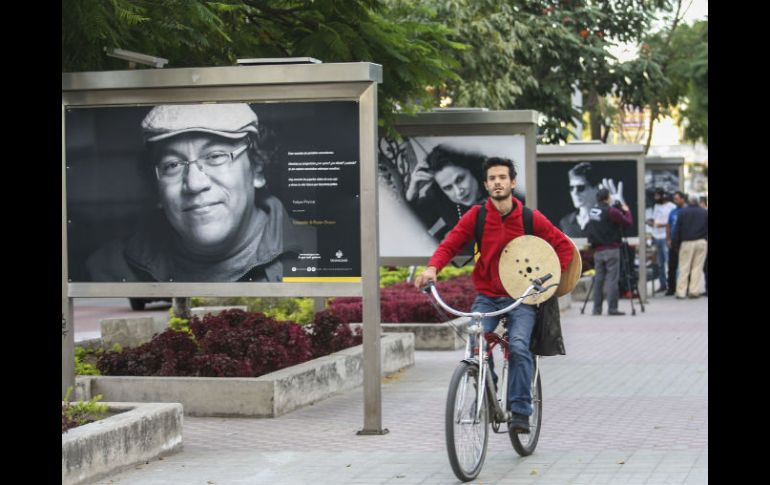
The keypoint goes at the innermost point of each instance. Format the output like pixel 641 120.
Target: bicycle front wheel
pixel 467 430
pixel 525 444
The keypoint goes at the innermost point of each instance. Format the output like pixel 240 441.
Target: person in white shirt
pixel 659 222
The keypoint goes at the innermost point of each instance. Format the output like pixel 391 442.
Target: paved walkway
pixel 628 404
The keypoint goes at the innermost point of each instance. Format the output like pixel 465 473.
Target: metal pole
pixel 642 245
pixel 319 304
pixel 370 264
pixel 67 323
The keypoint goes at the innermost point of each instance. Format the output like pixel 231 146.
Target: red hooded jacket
pixel 497 233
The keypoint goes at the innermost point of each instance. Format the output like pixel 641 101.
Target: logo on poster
pixel 338 258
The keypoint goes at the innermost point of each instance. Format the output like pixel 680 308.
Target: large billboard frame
pixel 463 123
pixel 265 83
pixel 599 152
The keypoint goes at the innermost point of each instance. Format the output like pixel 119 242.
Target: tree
pixel 695 115
pixel 216 33
pixel 678 55
pixel 532 54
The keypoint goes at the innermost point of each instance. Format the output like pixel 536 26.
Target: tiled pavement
pixel 626 405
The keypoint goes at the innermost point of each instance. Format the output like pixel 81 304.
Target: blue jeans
pixel 520 322
pixel 662 259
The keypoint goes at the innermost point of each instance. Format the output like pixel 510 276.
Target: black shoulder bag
pixel 546 336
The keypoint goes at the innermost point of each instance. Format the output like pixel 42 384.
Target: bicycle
pixel 469 414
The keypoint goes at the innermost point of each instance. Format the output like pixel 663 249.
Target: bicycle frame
pixel 475 330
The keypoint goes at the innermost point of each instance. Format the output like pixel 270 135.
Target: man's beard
pixel 504 195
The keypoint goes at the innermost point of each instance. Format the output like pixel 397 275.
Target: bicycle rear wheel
pixel 525 444
pixel 466 434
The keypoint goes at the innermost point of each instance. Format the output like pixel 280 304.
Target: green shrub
pixel 391 275
pixel 85 361
pixel 299 310
pixel 179 324
pixel 197 301
pixel 81 412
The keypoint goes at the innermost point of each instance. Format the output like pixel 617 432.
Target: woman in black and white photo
pixel 444 186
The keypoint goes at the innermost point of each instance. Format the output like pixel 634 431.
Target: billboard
pixel 426 183
pixel 213 192
pixel 567 190
pixel 664 178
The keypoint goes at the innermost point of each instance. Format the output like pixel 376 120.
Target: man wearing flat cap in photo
pixel 218 222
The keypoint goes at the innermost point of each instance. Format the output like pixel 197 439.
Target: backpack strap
pixel 481 218
pixel 526 214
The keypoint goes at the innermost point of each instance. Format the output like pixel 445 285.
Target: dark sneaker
pixel 661 289
pixel 615 312
pixel 596 312
pixel 670 293
pixel 519 424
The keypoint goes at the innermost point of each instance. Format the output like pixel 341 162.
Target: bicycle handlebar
pixel 537 286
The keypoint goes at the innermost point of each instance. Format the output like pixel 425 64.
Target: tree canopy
pixel 499 54
pixel 215 33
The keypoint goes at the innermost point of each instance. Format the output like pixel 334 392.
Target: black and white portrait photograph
pixel 664 178
pixel 567 191
pixel 428 183
pixel 212 192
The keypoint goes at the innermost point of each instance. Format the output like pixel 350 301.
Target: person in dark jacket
pixel 502 224
pixel 691 234
pixel 217 224
pixel 679 200
pixel 605 236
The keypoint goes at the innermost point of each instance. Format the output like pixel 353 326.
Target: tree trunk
pixel 181 307
pixel 594 114
pixel 653 116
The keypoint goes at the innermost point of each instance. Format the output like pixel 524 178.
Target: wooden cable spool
pixel 572 273
pixel 524 259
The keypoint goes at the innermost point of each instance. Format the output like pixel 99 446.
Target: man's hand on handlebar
pixel 428 275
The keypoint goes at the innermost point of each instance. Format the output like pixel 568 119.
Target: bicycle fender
pixel 474 361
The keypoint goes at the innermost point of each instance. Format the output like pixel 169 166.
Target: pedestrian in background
pixel 691 233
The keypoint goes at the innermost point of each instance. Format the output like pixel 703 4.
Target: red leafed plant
pixel 403 303
pixel 233 343
pixel 330 335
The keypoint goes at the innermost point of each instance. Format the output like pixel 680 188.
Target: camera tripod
pixel 625 266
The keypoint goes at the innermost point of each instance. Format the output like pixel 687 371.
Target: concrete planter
pixel 141 432
pixel 427 336
pixel 267 396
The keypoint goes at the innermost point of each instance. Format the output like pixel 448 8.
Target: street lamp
pixel 135 58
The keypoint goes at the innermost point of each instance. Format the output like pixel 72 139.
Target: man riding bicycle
pixel 502 224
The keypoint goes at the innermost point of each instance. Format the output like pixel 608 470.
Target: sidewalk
pixel 628 404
